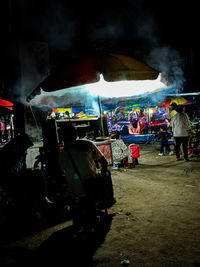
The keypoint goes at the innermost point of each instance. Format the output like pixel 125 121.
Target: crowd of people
pixel 179 131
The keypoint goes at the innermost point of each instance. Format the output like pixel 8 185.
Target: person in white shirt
pixel 181 131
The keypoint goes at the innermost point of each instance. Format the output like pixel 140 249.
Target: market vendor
pixel 120 150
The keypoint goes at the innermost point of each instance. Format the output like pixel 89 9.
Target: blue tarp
pixel 138 138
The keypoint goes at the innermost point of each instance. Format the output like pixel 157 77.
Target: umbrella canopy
pixel 6 104
pixel 114 67
pixel 179 101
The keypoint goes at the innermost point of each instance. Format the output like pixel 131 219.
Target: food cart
pixel 94 127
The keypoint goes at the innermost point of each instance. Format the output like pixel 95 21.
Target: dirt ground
pixel 155 222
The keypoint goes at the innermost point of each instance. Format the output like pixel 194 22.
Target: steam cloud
pixel 63 29
pixel 170 62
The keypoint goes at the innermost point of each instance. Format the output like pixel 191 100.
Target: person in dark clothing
pixel 164 144
pixel 85 167
pixel 25 186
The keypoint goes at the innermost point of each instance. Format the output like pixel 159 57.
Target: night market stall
pixel 139 117
pixel 94 77
pixel 74 94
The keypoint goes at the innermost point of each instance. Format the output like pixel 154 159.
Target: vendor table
pixel 105 147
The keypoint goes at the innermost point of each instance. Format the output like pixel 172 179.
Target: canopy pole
pixel 101 115
pixel 148 118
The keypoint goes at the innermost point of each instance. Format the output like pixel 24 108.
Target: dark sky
pixel 164 34
pixel 65 23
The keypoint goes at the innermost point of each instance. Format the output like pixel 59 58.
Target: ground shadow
pixel 67 247
pixel 72 246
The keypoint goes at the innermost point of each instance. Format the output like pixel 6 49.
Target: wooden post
pixel 101 115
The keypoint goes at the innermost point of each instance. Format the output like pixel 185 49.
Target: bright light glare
pixel 150 111
pixel 124 88
pixel 85 93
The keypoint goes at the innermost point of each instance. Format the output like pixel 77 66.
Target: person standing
pixel 173 110
pixel 181 131
pixel 164 143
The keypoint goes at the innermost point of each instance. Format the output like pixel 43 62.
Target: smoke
pixel 170 63
pixel 76 96
pixel 111 31
pixel 30 65
pixel 152 50
pixel 66 26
